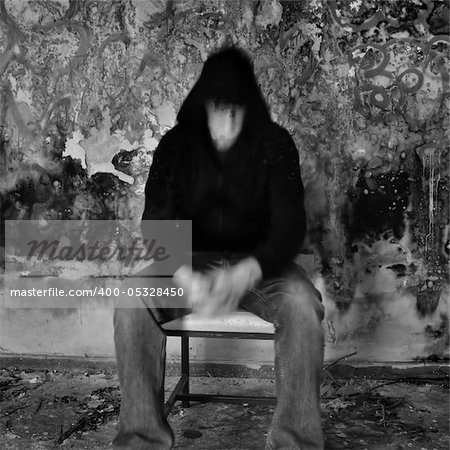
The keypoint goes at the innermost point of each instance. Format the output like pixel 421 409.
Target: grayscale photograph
pixel 225 224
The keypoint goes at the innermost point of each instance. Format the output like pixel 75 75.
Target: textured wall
pixel 89 87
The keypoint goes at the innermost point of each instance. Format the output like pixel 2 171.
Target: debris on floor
pixel 74 408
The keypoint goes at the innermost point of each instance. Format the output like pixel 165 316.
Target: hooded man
pixel 235 174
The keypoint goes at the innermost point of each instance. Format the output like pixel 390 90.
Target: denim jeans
pixel 295 308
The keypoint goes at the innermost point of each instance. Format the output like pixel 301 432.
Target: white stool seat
pixel 237 322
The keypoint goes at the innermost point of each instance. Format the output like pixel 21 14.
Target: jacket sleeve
pixel 161 187
pixel 288 222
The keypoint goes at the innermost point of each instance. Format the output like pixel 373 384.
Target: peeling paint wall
pixel 88 88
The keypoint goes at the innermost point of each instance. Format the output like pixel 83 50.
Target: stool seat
pixel 236 322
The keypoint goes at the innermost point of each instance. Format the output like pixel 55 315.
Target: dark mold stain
pixel 398 269
pixel 378 204
pixel 427 299
pixel 440 332
pixel 439 19
pixel 123 159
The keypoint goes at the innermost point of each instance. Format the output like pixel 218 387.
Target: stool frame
pixel 182 388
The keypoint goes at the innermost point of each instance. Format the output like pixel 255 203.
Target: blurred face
pixel 225 122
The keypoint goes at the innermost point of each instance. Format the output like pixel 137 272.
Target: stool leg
pixel 185 367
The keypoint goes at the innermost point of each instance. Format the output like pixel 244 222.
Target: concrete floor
pixel 72 407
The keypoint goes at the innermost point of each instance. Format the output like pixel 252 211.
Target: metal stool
pixel 225 327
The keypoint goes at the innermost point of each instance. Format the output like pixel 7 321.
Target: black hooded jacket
pixel 248 200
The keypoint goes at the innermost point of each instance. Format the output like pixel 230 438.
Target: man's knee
pixel 302 302
pixel 129 321
pixel 124 318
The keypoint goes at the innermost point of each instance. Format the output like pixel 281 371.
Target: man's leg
pixel 140 346
pixel 140 356
pixel 294 306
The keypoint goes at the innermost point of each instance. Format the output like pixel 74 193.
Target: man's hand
pixel 219 291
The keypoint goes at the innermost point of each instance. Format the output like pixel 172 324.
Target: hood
pixel 227 76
